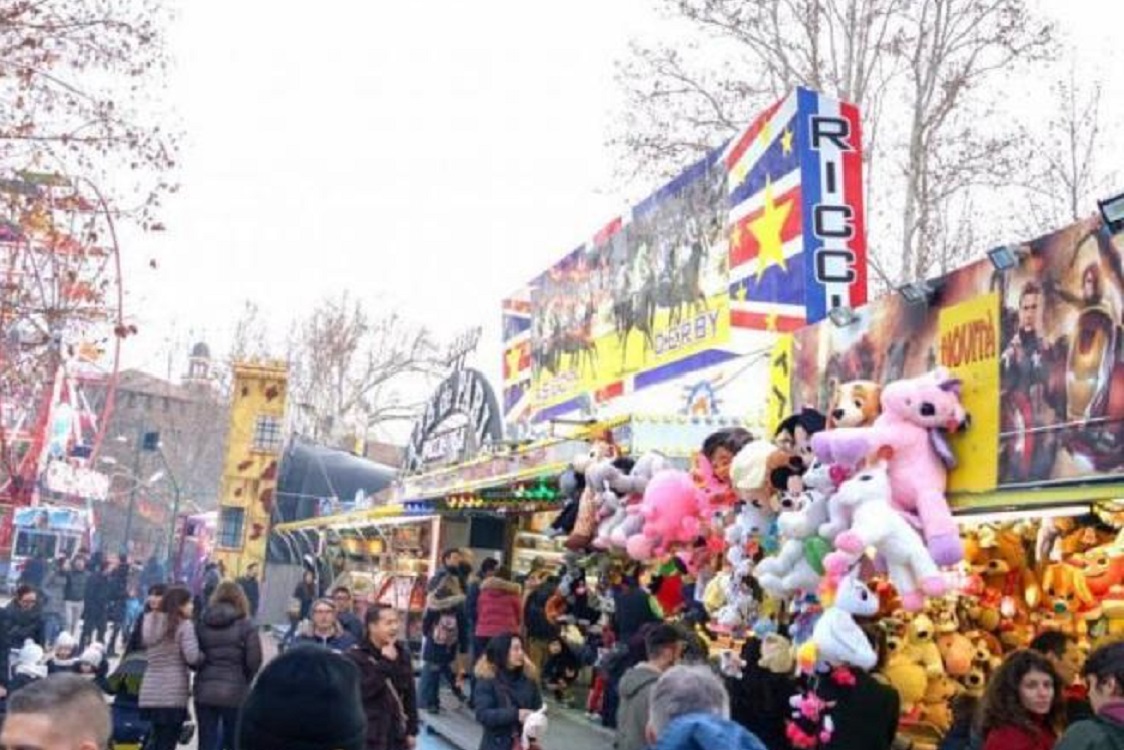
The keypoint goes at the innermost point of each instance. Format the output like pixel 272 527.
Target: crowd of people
pixel 505 647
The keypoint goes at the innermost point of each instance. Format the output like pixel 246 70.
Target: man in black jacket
pixel 249 583
pixel 24 618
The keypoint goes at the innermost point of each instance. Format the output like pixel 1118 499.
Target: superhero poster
pixel 1056 372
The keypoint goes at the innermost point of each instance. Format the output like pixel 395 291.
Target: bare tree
pixel 78 81
pixel 917 69
pixel 348 368
pixel 1069 163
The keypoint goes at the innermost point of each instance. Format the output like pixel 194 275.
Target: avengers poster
pixel 1062 358
pixel 1059 363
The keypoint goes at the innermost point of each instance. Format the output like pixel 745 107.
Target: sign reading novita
pixel 465 395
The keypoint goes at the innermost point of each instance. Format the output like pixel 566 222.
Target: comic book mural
pixel 761 236
pixel 1040 348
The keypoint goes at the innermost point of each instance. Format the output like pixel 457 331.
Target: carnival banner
pixel 780 384
pixel 763 235
pixel 969 347
pixel 1040 347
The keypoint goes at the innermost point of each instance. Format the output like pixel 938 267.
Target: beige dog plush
pixel 854 404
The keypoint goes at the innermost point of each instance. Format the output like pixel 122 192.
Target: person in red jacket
pixel 499 609
pixel 1023 706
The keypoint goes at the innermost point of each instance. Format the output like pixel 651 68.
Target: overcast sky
pixel 426 155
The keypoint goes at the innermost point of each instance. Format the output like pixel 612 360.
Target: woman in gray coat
pixel 231 657
pixel 172 649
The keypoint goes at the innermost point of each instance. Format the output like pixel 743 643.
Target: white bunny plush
pixel 875 523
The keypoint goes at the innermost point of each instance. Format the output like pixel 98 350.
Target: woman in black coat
pixel 507 692
pixel 117 594
pixel 232 656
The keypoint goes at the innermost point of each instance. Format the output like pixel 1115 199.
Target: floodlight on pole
pixel 916 292
pixel 842 316
pixel 1004 257
pixel 1112 211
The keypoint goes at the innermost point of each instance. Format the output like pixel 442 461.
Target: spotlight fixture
pixel 1004 257
pixel 842 316
pixel 1112 209
pixel 916 292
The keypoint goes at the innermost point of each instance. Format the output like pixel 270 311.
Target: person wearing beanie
pixel 387 683
pixel 63 659
pixel 305 699
pixel 29 666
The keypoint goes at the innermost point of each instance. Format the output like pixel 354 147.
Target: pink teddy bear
pixel 916 414
pixel 671 508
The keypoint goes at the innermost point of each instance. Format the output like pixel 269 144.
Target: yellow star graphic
pixel 786 141
pixel 741 292
pixel 767 229
pixel 513 357
pixel 771 322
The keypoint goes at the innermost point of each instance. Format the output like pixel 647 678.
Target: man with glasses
pixel 345 612
pixel 25 618
pixel 324 628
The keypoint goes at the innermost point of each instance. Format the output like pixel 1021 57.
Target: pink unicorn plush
pixel 916 414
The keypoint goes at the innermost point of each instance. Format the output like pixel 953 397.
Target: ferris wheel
pixel 61 327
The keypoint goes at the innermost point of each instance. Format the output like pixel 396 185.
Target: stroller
pixel 130 730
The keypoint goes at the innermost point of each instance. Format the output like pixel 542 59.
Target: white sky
pixel 427 155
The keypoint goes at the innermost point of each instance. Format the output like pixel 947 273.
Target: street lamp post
pixel 175 510
pixel 145 441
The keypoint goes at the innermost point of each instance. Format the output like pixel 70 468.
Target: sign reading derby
pixel 465 393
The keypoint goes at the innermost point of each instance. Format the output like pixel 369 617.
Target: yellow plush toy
pixel 908 678
pixel 921 645
pixel 936 706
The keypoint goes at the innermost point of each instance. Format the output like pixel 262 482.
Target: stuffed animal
pixel 1067 599
pixel 798 565
pixel 908 678
pixel 794 433
pixel 752 527
pixel 760 471
pixel 837 639
pixel 921 645
pixel 866 497
pixel 915 415
pixel 1103 568
pixel 999 558
pixel 854 404
pixel 633 486
pixel 777 654
pixel 671 508
pixel 936 706
pixel 957 653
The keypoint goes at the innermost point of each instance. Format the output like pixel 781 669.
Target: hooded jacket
pixel 706 732
pixel 438 603
pixel 500 609
pixel 498 699
pixel 1103 732
pixel 632 713
pixel 75 588
pixel 232 651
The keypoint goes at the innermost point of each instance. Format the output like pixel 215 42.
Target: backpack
pixel 446 631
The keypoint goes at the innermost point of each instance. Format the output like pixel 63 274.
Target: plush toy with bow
pixel 866 498
pixel 632 486
pixel 916 415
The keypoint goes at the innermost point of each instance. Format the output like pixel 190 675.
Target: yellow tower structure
pixel 255 439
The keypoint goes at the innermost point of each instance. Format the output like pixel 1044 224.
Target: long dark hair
pixel 172 605
pixel 1002 705
pixel 497 652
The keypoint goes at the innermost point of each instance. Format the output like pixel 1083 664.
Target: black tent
pixel 309 477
